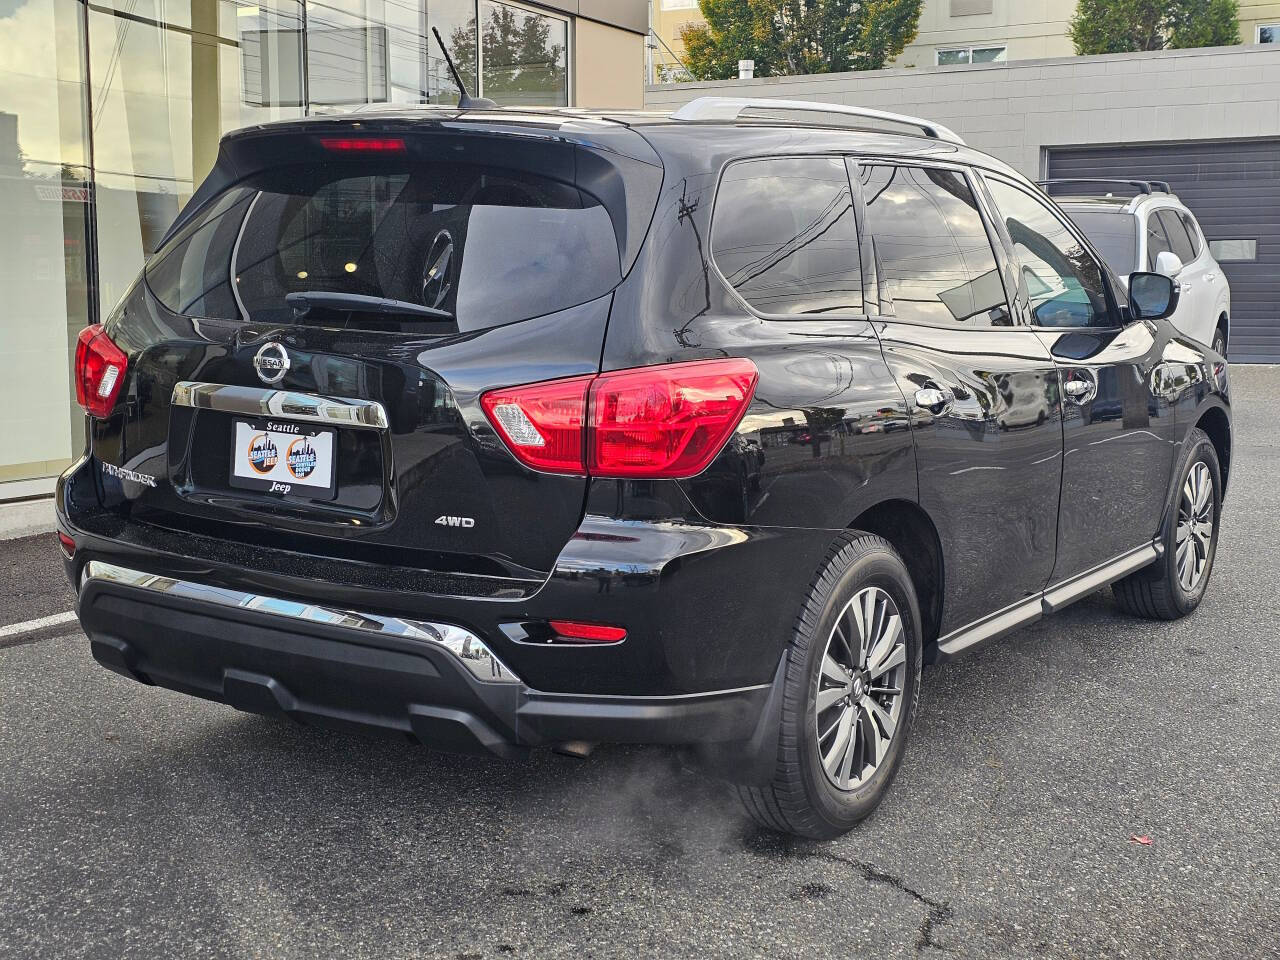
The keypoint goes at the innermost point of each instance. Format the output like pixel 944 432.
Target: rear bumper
pixel 435 682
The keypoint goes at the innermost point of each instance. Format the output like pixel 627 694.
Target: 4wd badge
pixel 447 521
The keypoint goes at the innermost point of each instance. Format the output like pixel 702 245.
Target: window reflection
pixel 524 56
pixel 935 259
pixel 1064 282
pixel 153 84
pixel 784 236
pixel 45 193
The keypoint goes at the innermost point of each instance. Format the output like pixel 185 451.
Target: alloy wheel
pixel 860 688
pixel 1195 526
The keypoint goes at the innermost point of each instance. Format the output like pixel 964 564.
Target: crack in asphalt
pixel 937 912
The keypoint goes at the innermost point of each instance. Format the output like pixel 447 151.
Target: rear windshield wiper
pixel 303 303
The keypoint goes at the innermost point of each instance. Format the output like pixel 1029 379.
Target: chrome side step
pixel 1031 609
pixel 1083 584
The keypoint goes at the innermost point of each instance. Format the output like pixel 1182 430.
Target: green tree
pixel 788 37
pixel 1122 26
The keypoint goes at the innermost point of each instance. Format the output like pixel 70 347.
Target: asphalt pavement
pixel 136 822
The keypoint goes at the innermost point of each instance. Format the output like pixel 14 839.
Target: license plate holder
pixel 294 460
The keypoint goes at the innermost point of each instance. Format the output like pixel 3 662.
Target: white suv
pixel 1142 225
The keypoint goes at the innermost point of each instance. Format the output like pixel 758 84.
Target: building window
pixel 970 8
pixel 957 56
pixel 524 56
pixel 679 4
pixel 1267 33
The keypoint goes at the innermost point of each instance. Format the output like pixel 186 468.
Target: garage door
pixel 1233 188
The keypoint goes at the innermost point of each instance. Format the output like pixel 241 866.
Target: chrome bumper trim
pixel 257 402
pixel 465 646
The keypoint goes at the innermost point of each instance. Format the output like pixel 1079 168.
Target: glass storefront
pixel 110 114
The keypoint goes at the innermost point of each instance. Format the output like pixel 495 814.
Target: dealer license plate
pixel 284 458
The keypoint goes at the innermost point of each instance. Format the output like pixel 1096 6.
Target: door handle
pixel 1210 277
pixel 934 399
pixel 1079 389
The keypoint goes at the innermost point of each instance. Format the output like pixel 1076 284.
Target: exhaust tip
pixel 580 749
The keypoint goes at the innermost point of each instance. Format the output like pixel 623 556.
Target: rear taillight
pixel 666 421
pixel 100 369
pixel 68 545
pixel 542 423
pixel 661 422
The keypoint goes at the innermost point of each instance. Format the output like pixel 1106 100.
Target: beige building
pixel 666 49
pixel 989 31
pixel 957 32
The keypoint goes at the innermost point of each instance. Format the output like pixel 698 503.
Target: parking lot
pixel 136 822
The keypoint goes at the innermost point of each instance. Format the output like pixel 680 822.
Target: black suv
pixel 498 429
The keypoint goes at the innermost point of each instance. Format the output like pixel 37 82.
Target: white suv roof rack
pixel 731 108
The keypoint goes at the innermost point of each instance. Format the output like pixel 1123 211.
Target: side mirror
pixel 1168 263
pixel 1152 296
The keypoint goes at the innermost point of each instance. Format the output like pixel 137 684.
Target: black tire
pixel 801 799
pixel 1156 592
pixel 1220 341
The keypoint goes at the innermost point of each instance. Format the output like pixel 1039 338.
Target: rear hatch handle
pixel 286 404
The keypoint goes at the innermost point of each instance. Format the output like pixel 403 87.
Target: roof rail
pixel 1142 186
pixel 731 108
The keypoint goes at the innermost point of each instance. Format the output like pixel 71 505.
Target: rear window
pixel 476 246
pixel 1114 234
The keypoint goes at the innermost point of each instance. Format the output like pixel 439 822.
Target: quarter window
pixel 934 257
pixel 1064 282
pixel 783 235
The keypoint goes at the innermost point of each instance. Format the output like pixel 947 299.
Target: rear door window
pixel 1157 240
pixel 477 246
pixel 1193 231
pixel 1176 231
pixel 783 235
pixel 935 260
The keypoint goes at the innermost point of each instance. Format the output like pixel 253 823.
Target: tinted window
pixel 1177 234
pixel 1114 234
pixel 191 274
pixel 783 235
pixel 1193 231
pixel 1064 282
pixel 1157 241
pixel 935 259
pixel 483 245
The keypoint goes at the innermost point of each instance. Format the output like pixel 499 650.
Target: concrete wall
pixel 608 66
pixel 1015 110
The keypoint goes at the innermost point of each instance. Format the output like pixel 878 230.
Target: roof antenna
pixel 465 100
